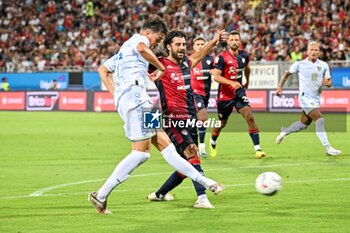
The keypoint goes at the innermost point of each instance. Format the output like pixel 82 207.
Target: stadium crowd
pixel 38 34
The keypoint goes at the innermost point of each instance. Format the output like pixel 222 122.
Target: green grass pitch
pixel 50 161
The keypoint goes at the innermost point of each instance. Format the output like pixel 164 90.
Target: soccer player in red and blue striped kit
pixel 228 72
pixel 178 109
pixel 200 84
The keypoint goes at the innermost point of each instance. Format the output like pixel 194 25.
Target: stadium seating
pixel 51 35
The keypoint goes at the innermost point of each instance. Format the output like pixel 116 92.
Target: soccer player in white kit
pixel 313 75
pixel 130 66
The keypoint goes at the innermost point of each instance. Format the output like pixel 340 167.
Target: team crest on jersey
pixel 216 60
pixel 185 63
pixel 174 77
pixel 208 62
pixel 243 60
pixel 196 71
pixel 319 68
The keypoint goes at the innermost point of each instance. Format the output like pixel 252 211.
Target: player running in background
pixel 130 66
pixel 200 84
pixel 228 72
pixel 313 75
pixel 179 108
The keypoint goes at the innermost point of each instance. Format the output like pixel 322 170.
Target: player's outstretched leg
pixel 294 127
pixel 162 142
pixel 119 175
pixel 322 136
pixel 184 167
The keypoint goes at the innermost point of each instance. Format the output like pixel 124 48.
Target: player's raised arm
pixel 198 56
pixel 106 79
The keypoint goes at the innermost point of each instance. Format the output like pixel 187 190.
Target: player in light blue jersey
pixel 130 66
pixel 313 75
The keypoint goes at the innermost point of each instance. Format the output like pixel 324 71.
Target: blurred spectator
pixel 296 55
pixel 54 85
pixel 46 35
pixel 5 86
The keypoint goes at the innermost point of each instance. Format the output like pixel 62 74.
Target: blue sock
pixel 214 137
pixel 200 189
pixel 174 180
pixel 201 132
pixel 254 134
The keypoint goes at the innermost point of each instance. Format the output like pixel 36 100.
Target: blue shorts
pixel 239 101
pixel 201 101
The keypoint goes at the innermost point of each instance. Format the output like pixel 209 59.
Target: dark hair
pixel 170 36
pixel 235 32
pixel 156 24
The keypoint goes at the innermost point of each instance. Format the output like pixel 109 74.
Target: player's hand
pixel 235 86
pixel 156 75
pixel 327 82
pixel 278 90
pixel 224 36
pixel 220 34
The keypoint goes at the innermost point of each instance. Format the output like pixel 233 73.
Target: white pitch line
pixel 42 192
pixel 182 187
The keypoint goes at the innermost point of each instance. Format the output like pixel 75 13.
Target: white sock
pixel 295 127
pixel 321 132
pixel 257 147
pixel 122 172
pixel 184 167
pixel 202 196
pixel 212 141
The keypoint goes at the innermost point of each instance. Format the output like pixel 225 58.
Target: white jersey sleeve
pixel 294 68
pixel 140 39
pixel 327 73
pixel 111 63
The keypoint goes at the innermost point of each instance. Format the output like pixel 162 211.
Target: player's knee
pixel 202 115
pixel 191 151
pixel 307 123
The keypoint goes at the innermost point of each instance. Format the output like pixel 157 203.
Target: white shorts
pixel 309 103
pixel 131 106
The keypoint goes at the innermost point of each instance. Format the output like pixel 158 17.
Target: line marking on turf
pixel 182 187
pixel 44 190
pixel 41 192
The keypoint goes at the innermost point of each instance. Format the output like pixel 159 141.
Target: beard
pixel 234 47
pixel 176 55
